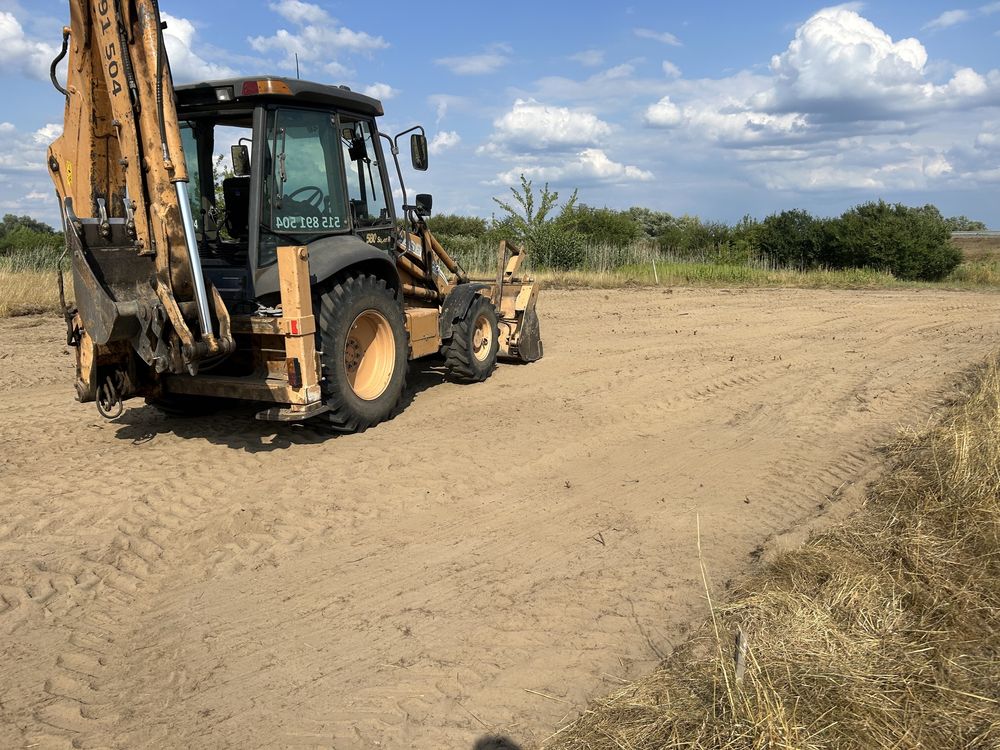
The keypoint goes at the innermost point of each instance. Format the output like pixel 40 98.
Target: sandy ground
pixel 488 561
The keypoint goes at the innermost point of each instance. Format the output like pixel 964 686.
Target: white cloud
pixel 588 166
pixel 444 140
pixel 490 60
pixel 381 91
pixel 664 114
pixel 948 18
pixel 531 126
pixel 319 39
pixel 590 58
pixel 840 66
pixel 670 70
pixel 664 37
pixel 24 152
pixel 21 55
pixel 937 166
pixel 298 12
pixel 47 133
pixel 186 65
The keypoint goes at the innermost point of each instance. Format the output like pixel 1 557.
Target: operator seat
pixel 236 191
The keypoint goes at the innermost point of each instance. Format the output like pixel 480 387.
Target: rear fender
pixel 456 305
pixel 329 257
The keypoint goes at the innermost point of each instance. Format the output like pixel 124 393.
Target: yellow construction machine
pixel 288 282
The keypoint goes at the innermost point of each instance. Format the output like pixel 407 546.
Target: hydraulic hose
pixel 55 64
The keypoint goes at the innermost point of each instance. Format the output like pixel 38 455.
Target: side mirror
pixel 418 151
pixel 424 204
pixel 241 160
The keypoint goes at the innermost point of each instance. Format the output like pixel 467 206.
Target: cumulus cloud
pixel 664 114
pixel 21 55
pixel 841 67
pixel 591 165
pixel 844 107
pixel 181 39
pixel 381 91
pixel 948 18
pixel 532 126
pixel 47 133
pixel 490 60
pixel 664 37
pixel 318 39
pixel 444 140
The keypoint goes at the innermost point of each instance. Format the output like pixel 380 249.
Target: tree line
pixel 910 242
pixel 25 233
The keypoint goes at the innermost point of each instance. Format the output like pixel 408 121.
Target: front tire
pixel 362 334
pixel 471 355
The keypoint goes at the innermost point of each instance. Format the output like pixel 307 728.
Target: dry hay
pixel 881 633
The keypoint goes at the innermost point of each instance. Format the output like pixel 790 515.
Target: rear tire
pixel 362 335
pixel 471 355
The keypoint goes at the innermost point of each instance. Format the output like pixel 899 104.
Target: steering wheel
pixel 315 198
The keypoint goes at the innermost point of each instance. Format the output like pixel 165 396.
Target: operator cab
pixel 281 162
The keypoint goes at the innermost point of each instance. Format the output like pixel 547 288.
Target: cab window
pixel 365 179
pixel 304 194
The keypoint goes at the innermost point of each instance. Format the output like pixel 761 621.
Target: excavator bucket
pixel 515 297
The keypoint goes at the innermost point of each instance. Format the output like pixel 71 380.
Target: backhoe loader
pixel 289 282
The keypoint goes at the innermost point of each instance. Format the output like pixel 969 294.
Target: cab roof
pixel 255 89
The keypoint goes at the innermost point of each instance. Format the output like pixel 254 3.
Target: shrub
pixel 557 249
pixel 452 225
pixel 600 226
pixel 791 238
pixel 912 243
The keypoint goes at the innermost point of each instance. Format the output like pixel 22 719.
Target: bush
pixel 912 243
pixel 792 238
pixel 452 225
pixel 600 226
pixel 557 249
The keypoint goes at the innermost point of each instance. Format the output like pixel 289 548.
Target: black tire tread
pixel 458 359
pixel 341 417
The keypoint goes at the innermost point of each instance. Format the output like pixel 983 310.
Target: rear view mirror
pixel 418 151
pixel 424 204
pixel 241 160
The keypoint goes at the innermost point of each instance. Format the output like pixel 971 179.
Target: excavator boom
pixel 119 166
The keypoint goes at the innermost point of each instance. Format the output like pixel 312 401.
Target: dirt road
pixel 487 561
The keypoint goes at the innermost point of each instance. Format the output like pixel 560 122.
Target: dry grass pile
pixel 881 633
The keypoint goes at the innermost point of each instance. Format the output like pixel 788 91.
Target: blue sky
pixel 714 109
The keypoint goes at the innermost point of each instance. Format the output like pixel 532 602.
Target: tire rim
pixel 482 338
pixel 369 355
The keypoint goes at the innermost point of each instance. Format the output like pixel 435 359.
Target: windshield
pixel 305 190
